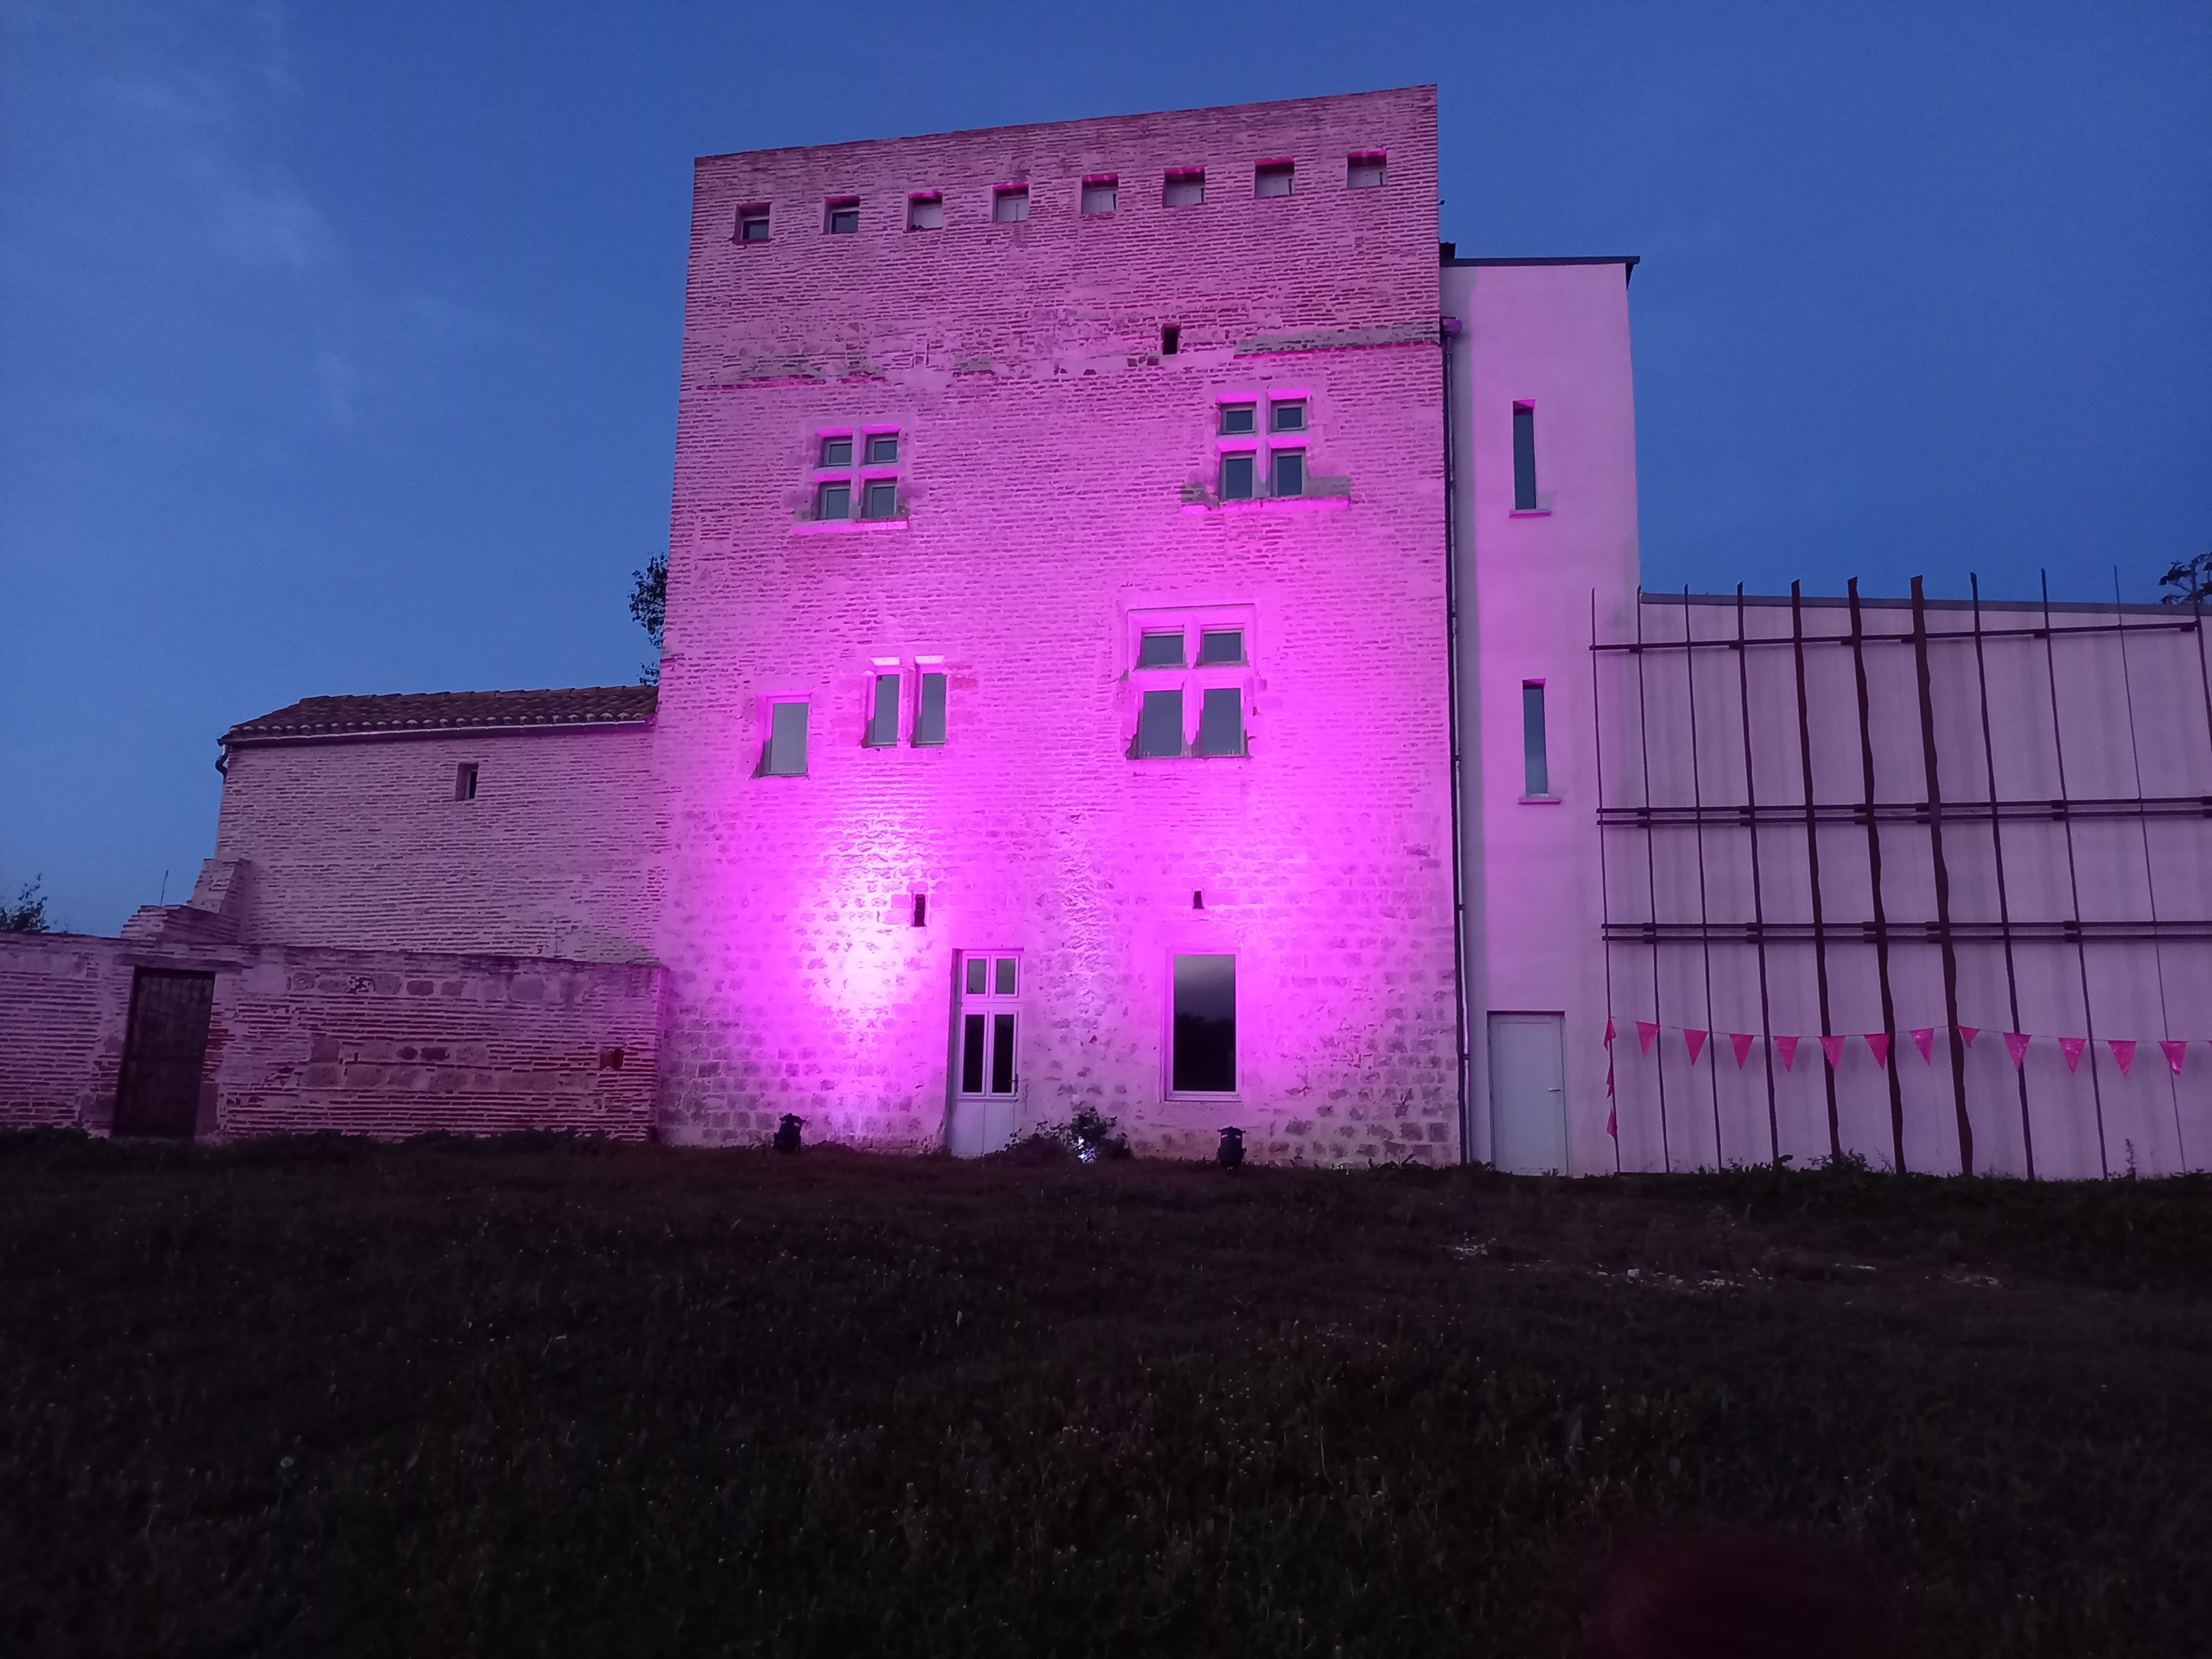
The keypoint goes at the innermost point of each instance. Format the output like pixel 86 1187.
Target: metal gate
pixel 163 1054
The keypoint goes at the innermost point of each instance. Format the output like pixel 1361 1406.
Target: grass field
pixel 329 1398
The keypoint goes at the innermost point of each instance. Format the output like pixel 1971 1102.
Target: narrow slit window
pixel 1171 339
pixel 834 501
pixel 1221 647
pixel 1239 420
pixel 1272 178
pixel 1011 206
pixel 1101 195
pixel 1204 1039
pixel 920 911
pixel 1236 477
pixel 1536 774
pixel 926 213
pixel 786 741
pixel 1163 650
pixel 1221 721
pixel 1159 727
pixel 883 716
pixel 844 217
pixel 752 223
pixel 1184 189
pixel 929 711
pixel 1524 457
pixel 465 783
pixel 1363 169
pixel 882 500
pixel 1289 472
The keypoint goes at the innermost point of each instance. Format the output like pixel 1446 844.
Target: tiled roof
pixel 434 711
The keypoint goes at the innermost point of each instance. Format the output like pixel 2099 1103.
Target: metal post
pixel 1651 883
pixel 1704 918
pixel 1604 888
pixel 1813 858
pixel 2074 881
pixel 1873 872
pixel 2004 900
pixel 1757 898
pixel 1942 879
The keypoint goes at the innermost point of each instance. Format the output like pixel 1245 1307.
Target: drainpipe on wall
pixel 1447 332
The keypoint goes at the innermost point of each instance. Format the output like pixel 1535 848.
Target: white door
pixel 1528 1093
pixel 987 1078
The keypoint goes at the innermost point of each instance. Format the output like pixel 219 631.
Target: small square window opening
pixel 1011 206
pixel 929 711
pixel 837 451
pixel 1236 477
pixel 1289 417
pixel 1272 178
pixel 1160 650
pixel 883 716
pixel 1364 170
pixel 883 448
pixel 882 500
pixel 1221 647
pixel 844 216
pixel 834 501
pixel 786 741
pixel 1184 189
pixel 1101 195
pixel 1239 420
pixel 464 782
pixel 926 213
pixel 752 223
pixel 1290 469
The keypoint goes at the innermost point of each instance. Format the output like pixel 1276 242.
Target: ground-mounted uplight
pixel 1231 1155
pixel 787 1132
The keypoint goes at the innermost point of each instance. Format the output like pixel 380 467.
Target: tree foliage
pixel 648 605
pixel 2190 581
pixel 27 914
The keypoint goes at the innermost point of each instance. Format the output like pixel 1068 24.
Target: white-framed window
pixel 784 719
pixel 990 1023
pixel 857 472
pixel 1365 169
pixel 1249 463
pixel 1191 673
pixel 1273 178
pixel 752 222
pixel 1010 204
pixel 1102 193
pixel 841 216
pixel 1202 1024
pixel 896 685
pixel 1183 187
pixel 925 210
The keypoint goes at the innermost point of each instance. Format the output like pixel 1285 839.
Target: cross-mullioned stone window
pixel 856 473
pixel 1191 664
pixel 1238 440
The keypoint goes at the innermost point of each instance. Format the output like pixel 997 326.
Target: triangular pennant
pixel 1608 1030
pixel 2072 1047
pixel 1608 1079
pixel 1924 1040
pixel 2174 1053
pixel 2016 1046
pixel 1697 1042
pixel 1833 1048
pixel 1741 1042
pixel 1613 1123
pixel 1787 1048
pixel 1645 1031
pixel 1879 1042
pixel 2125 1052
pixel 1970 1032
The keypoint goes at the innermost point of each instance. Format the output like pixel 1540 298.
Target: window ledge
pixel 1530 512
pixel 1269 504
pixel 1540 800
pixel 844 526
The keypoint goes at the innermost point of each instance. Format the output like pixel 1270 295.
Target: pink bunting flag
pixel 1645 1031
pixel 1613 1123
pixel 2125 1052
pixel 1608 1076
pixel 1608 1030
pixel 1879 1042
pixel 1741 1042
pixel 1697 1042
pixel 1833 1048
pixel 1970 1032
pixel 2072 1047
pixel 1924 1040
pixel 2173 1052
pixel 1787 1048
pixel 2016 1046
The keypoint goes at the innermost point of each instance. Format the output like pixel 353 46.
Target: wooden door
pixel 163 1052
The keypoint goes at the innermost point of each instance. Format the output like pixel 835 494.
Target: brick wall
pixel 1055 477
pixel 361 843
pixel 366 1042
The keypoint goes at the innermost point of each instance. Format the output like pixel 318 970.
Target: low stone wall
pixel 361 1042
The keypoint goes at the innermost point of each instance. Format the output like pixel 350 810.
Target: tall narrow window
pixel 1011 206
pixel 1159 727
pixel 1101 195
pixel 1236 476
pixel 929 711
pixel 1221 721
pixel 1204 1035
pixel 465 783
pixel 884 717
pixel 1536 774
pixel 1524 457
pixel 786 741
pixel 1290 466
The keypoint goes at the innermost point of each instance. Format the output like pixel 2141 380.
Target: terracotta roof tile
pixel 433 711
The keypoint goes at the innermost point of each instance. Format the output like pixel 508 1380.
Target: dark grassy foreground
pixel 332 1398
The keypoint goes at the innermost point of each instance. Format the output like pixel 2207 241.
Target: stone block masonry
pixel 360 1042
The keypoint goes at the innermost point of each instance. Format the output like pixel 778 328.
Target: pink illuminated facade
pixel 1145 634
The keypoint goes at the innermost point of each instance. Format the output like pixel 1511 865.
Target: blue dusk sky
pixel 338 341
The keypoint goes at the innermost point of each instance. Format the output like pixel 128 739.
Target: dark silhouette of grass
pixel 540 1396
